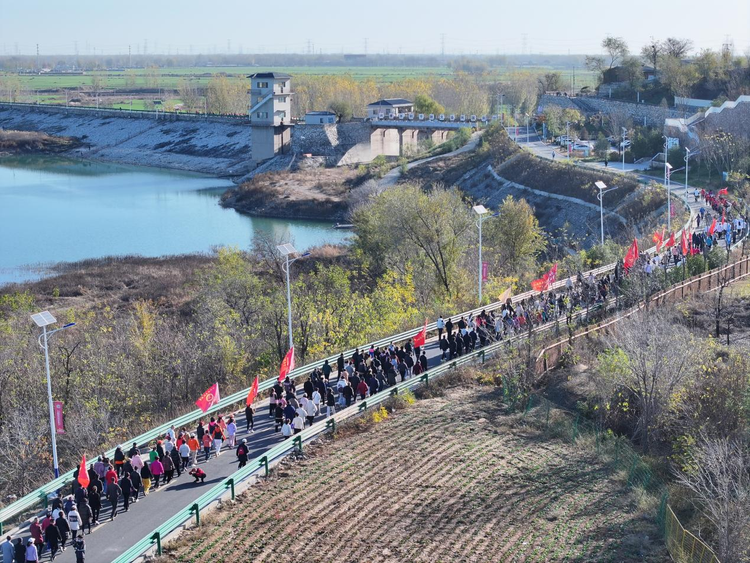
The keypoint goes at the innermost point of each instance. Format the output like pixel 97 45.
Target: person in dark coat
pixel 309 388
pixel 354 381
pixel 127 490
pixel 119 460
pixel 135 482
pixel 95 502
pixel 242 451
pixel 174 455
pixel 249 422
pixel 373 384
pixel 52 537
pixel 423 361
pixel 84 510
pixel 278 417
pixel 348 393
pixel 340 366
pixel 63 527
pixel 113 495
pixel 20 551
pixel 199 432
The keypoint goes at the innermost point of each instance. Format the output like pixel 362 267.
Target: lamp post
pixel 602 190
pixel 667 168
pixel 43 320
pixel 567 136
pixel 622 147
pixel 482 212
pixel 287 250
pixel 527 128
pixel 687 169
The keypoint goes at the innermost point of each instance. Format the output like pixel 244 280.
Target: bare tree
pixel 676 47
pixel 650 357
pixel 718 478
pixel 616 48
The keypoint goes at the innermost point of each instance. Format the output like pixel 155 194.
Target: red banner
pixel 57 409
pixel 83 474
pixel 209 398
pixel 485 270
pixel 546 281
pixel 287 365
pixel 421 336
pixel 252 393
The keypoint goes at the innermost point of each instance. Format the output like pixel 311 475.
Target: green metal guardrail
pixel 39 496
pixel 261 463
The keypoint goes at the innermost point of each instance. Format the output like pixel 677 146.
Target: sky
pixel 353 26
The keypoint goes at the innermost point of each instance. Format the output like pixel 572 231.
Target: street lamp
pixel 602 190
pixel 667 168
pixel 482 211
pixel 287 250
pixel 567 136
pixel 527 128
pixel 687 169
pixel 622 148
pixel 43 320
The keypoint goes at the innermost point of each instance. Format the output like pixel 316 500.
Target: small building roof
pixel 280 75
pixel 392 102
pixel 320 113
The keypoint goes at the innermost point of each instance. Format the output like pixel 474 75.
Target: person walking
pixel 95 502
pixel 135 480
pixel 310 411
pixel 52 537
pixel 8 550
pixel 127 489
pixel 241 453
pixel 298 424
pixel 119 460
pixel 440 324
pixel 249 423
pixel 231 433
pixel 146 478
pixel 176 459
pixel 278 417
pixel 206 446
pixel 218 436
pixel 286 429
pixel 74 521
pixel 79 546
pixel 63 527
pixel 330 403
pixel 168 470
pixel 84 510
pixel 184 456
pixel 157 470
pixel 113 495
pixel 32 554
pixel 194 446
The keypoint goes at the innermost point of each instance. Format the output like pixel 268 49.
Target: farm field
pixel 448 479
pixel 170 77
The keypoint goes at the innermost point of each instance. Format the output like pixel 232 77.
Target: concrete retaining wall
pixel 640 113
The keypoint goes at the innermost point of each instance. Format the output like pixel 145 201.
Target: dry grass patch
pixel 450 479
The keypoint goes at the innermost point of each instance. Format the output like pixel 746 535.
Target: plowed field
pixel 448 479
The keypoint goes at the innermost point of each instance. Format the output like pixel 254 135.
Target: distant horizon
pixel 337 26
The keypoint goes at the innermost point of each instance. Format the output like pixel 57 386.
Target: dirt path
pixel 448 479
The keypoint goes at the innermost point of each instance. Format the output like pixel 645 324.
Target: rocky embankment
pixel 33 142
pixel 216 146
pixel 320 194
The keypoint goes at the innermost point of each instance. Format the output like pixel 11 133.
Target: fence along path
pixel 638 471
pixel 40 495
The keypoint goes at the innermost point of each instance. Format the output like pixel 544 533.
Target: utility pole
pixel 442 45
pixel 37 58
pixel 130 58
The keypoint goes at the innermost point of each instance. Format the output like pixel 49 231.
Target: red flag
pixel 209 398
pixel 83 474
pixel 685 243
pixel 287 365
pixel 658 238
pixel 546 281
pixel 712 228
pixel 724 191
pixel 632 256
pixel 421 337
pixel 671 241
pixel 253 392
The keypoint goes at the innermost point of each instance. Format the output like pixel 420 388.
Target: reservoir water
pixel 59 210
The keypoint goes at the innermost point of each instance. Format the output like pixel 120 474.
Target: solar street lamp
pixel 43 320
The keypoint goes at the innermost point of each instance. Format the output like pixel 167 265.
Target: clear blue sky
pixel 393 26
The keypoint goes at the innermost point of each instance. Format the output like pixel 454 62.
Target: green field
pixel 170 77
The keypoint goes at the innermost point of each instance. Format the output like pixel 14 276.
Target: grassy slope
pixel 448 479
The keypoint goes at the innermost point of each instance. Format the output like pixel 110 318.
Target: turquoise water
pixel 59 210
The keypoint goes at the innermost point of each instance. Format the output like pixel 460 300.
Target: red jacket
pixel 362 388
